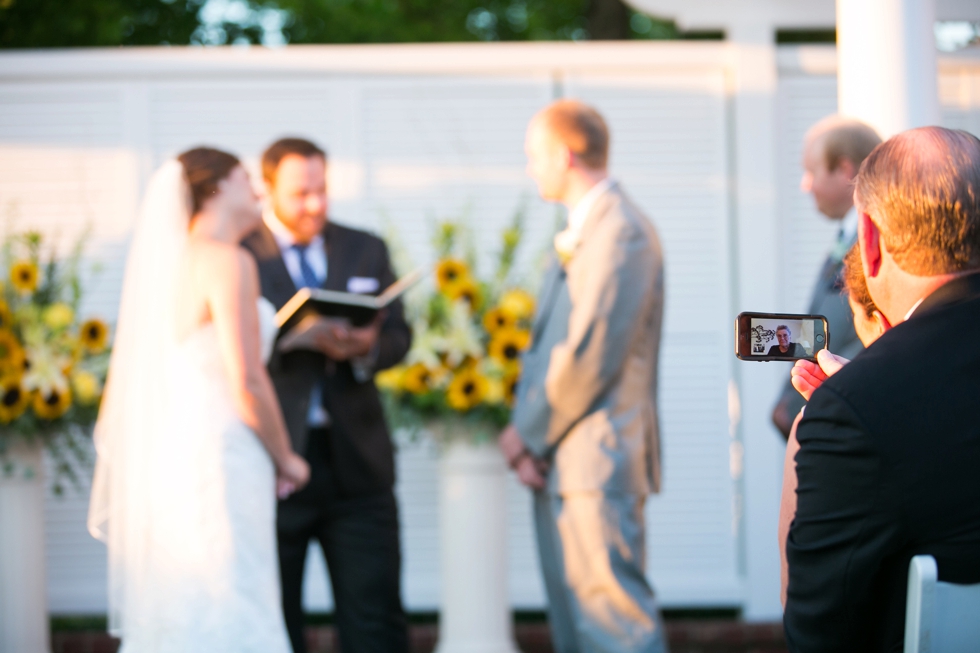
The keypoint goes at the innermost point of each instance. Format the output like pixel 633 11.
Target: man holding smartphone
pixel 833 151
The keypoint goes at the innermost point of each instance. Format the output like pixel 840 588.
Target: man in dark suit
pixel 890 444
pixel 832 153
pixel 332 408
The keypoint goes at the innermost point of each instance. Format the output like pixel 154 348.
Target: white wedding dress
pixel 212 573
pixel 183 493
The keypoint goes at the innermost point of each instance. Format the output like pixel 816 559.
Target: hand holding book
pixel 335 337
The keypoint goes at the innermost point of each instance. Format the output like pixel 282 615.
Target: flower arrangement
pixel 52 365
pixel 468 338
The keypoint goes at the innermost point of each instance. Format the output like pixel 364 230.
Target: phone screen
pixel 762 336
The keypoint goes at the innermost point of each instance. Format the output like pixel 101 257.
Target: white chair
pixel 940 617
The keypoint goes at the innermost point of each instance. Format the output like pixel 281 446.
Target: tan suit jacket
pixel 587 399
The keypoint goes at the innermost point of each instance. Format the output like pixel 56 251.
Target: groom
pixel 332 408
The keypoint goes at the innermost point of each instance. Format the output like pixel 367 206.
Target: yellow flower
pixel 450 271
pixel 418 379
pixel 391 379
pixel 6 317
pixel 93 335
pixel 497 319
pixel 506 346
pixel 58 316
pixel 11 354
pixel 467 389
pixel 13 400
pixel 467 290
pixel 518 303
pixel 52 404
pixel 87 387
pixel 24 276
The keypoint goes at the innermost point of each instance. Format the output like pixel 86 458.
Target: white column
pixel 475 615
pixel 23 587
pixel 886 63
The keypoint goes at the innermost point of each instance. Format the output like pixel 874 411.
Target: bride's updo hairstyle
pixel 204 167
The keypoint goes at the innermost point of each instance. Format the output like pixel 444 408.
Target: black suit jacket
pixel 888 468
pixel 360 449
pixel 795 349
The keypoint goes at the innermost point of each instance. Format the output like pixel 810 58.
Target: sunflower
pixel 450 271
pixel 24 276
pixel 52 404
pixel 418 379
pixel 467 290
pixel 496 319
pixel 506 346
pixel 518 303
pixel 466 390
pixel 58 316
pixel 93 335
pixel 13 400
pixel 391 379
pixel 12 359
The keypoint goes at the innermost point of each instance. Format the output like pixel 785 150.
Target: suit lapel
pixel 553 281
pixel 277 284
pixel 337 259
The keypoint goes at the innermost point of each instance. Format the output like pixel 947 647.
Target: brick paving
pixel 685 635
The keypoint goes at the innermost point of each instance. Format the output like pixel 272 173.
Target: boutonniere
pixel 566 242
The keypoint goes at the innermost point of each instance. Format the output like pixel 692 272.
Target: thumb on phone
pixel 830 363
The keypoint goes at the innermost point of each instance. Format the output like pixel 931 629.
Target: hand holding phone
pixel 807 376
pixel 780 336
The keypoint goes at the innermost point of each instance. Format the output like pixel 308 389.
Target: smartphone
pixel 780 336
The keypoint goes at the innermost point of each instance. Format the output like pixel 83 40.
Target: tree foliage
pixel 75 23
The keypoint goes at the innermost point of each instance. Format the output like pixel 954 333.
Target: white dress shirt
pixel 566 242
pixel 316 257
pixel 316 252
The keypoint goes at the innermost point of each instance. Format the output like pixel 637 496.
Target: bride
pixel 191 443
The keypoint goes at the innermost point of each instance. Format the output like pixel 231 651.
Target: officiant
pixel 324 381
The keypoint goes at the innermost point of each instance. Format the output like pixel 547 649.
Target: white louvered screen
pixel 668 151
pixel 63 169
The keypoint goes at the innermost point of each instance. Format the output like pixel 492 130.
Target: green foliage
pixel 75 23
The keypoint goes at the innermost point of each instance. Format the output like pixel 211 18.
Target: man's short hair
pixel 783 327
pixel 845 138
pixel 581 128
pixel 922 190
pixel 282 148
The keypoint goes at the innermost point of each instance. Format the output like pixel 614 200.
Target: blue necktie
pixel 309 276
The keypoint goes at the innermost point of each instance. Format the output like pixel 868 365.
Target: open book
pixel 354 308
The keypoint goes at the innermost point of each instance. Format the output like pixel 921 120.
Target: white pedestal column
pixel 475 615
pixel 23 589
pixel 886 63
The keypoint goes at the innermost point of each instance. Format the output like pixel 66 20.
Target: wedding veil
pixel 133 421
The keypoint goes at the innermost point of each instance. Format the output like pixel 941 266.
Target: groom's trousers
pixel 591 547
pixel 359 539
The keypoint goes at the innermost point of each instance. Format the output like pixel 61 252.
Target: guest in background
pixel 889 443
pixel 832 153
pixel 332 408
pixel 585 434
